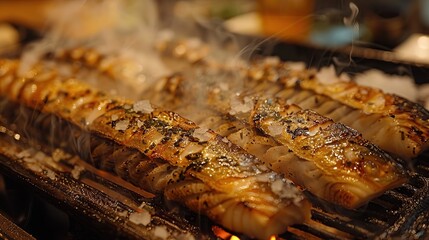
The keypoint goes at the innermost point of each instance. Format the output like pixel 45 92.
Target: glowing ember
pixel 222 234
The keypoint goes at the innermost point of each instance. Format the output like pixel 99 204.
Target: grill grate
pixel 105 204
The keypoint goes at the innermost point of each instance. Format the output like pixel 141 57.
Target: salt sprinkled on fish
pixel 142 217
pixel 161 232
pixel 122 125
pixel 201 134
pixel 143 106
pixel 238 106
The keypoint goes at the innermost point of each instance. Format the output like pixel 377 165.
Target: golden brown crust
pixel 409 119
pixel 354 170
pixel 232 180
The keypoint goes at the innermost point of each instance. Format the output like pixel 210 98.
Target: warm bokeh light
pixel 222 234
pixel 234 238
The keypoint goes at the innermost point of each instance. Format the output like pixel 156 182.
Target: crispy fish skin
pixel 204 171
pixel 397 125
pixel 230 114
pixel 408 119
pixel 268 82
pixel 335 162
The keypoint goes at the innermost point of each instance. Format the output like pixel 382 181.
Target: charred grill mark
pixel 304 131
pixel 331 147
pixel 417 111
pixel 368 101
pixel 298 132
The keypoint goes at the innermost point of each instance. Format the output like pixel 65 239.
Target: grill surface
pixel 95 199
pixel 99 205
pixel 106 203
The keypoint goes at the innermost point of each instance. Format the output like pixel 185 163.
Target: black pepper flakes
pixel 306 147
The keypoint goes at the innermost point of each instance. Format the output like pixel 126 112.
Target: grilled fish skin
pixel 335 164
pixel 278 155
pixel 158 150
pixel 339 165
pixel 330 160
pixel 397 125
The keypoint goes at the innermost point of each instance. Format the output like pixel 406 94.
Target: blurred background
pixel 399 26
pixel 382 24
pixel 385 23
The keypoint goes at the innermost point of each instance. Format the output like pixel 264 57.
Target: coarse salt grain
pixel 275 129
pixel 201 134
pixel 238 106
pixel 59 155
pixel 50 174
pixel 139 123
pixel 114 117
pixel 77 170
pixel 34 167
pixel 286 189
pixel 161 232
pixel 264 177
pixel 142 217
pixel 143 106
pixel 123 213
pixel 23 154
pixel 122 125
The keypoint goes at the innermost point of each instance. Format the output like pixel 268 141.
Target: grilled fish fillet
pixel 157 150
pixel 351 190
pixel 395 124
pixel 330 159
pixel 335 163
